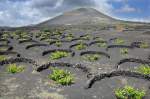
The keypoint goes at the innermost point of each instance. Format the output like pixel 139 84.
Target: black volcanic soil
pixel 31 84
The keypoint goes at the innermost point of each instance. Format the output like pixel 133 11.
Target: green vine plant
pixel 62 77
pixel 102 44
pixel 3 49
pixel 80 46
pixel 144 45
pixel 58 55
pixel 91 57
pixel 124 51
pixel 128 92
pixel 58 43
pixel 14 68
pixel 144 69
pixel 119 41
pixel 2 57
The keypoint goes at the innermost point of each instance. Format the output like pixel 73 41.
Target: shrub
pixel 43 36
pixel 119 41
pixel 15 35
pixel 87 37
pixel 124 51
pixel 38 34
pixel 24 35
pixel 58 55
pixel 92 58
pixel 69 34
pixel 102 44
pixel 144 45
pixel 13 68
pixel 80 46
pixel 3 49
pixel 58 44
pixel 99 39
pixel 5 36
pixel 2 57
pixel 57 33
pixel 48 40
pixel 69 38
pixel 129 92
pixel 46 30
pixel 21 39
pixel 144 69
pixel 61 76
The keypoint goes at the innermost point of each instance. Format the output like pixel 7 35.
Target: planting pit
pixel 58 43
pixel 79 46
pixel 79 72
pixel 108 85
pixel 140 44
pixel 131 63
pixel 21 84
pixel 117 41
pixel 93 55
pixel 99 77
pixel 58 53
pixel 5 57
pixel 99 43
pixel 49 41
pixel 86 37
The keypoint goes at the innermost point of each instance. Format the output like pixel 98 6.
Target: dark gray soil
pixel 31 84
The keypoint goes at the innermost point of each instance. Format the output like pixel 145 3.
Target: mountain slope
pixel 79 16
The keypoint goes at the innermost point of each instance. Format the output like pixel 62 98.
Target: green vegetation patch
pixel 99 39
pixel 119 41
pixel 5 36
pixel 80 46
pixel 58 43
pixel 15 35
pixel 13 68
pixel 58 32
pixel 21 39
pixel 44 36
pixel 46 30
pixel 59 54
pixel 24 35
pixel 92 57
pixel 143 69
pixel 129 92
pixel 87 37
pixel 102 44
pixel 49 40
pixel 144 45
pixel 124 51
pixel 69 36
pixel 2 57
pixel 3 49
pixel 61 76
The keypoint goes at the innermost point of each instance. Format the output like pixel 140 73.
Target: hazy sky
pixel 24 12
